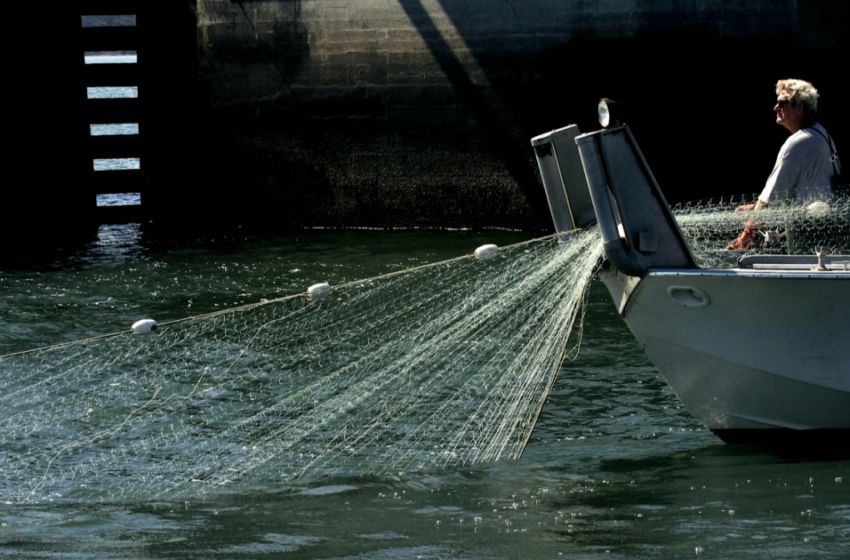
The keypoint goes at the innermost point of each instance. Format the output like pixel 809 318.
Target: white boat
pixel 758 353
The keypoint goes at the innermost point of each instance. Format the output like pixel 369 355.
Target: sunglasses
pixel 783 102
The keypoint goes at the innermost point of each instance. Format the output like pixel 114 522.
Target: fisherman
pixel 807 163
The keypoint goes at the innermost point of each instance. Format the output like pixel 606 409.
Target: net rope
pixel 445 364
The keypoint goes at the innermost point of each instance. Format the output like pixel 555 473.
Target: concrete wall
pixel 418 112
pixel 401 60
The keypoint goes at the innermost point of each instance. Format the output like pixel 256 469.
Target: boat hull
pixel 749 353
pixel 828 442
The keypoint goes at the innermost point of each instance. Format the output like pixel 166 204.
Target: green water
pixel 615 468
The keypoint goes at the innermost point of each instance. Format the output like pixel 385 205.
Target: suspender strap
pixel 834 156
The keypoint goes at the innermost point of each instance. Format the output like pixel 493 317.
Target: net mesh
pixel 441 365
pixel 444 365
pixel 786 228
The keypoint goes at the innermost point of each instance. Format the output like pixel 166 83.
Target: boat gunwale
pixel 745 273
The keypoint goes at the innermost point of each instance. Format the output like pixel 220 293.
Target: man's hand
pixel 746 241
pixel 740 244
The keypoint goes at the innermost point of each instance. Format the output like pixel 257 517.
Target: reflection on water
pixel 122 129
pixel 116 163
pixel 616 468
pixel 116 241
pixel 114 129
pixel 99 58
pixel 123 199
pixel 112 92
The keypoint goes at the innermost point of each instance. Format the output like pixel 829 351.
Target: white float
pixel 318 290
pixel 819 209
pixel 144 326
pixel 487 251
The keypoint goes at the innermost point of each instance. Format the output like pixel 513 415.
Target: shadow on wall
pixel 314 170
pixel 699 86
pixel 254 46
pixel 286 49
pixel 272 33
pixel 702 108
pixel 501 139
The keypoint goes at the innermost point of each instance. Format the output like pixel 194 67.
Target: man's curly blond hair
pixel 799 91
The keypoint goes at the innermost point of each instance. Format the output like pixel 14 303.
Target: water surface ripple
pixel 615 469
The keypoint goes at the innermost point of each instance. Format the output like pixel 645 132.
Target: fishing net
pixel 783 228
pixel 446 364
